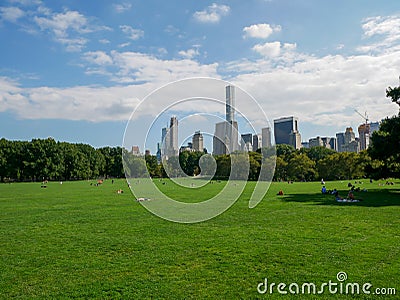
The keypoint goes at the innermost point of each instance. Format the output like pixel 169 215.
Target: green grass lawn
pixel 80 241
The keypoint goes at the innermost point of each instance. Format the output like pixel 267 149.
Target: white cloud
pixel 190 53
pixel 73 44
pixel 212 14
pixel 382 26
pixel 104 41
pixel 68 28
pixel 123 45
pixel 132 33
pixel 162 51
pixel 323 91
pixel 261 31
pixel 122 7
pixel 272 49
pixel 11 14
pixel 385 29
pixel 140 67
pixel 76 103
pixel 26 2
pixel 171 29
pixel 275 50
pixel 98 58
pixel 60 23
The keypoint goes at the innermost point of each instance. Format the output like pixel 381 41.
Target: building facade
pixel 351 144
pixel 230 103
pixel 197 141
pixel 246 142
pixel 266 137
pixel 169 138
pixel 339 141
pixel 257 141
pixel 364 134
pixel 226 136
pixel 286 131
pixel 315 142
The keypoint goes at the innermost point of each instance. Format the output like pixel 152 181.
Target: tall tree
pixel 386 144
pixel 394 94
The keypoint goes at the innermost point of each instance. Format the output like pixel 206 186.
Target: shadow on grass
pixel 372 198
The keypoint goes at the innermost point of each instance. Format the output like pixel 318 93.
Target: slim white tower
pixel 230 103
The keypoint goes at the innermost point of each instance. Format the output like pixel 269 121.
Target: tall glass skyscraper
pixel 286 131
pixel 226 133
pixel 230 103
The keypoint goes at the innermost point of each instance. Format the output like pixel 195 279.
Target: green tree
pixel 284 150
pixel 223 166
pixel 280 169
pixel 301 167
pixel 317 153
pixel 385 147
pixel 394 94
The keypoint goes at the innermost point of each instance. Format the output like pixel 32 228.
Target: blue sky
pixel 75 70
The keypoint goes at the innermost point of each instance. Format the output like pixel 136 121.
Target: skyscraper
pixel 340 141
pixel 197 141
pixel 266 137
pixel 364 134
pixel 169 138
pixel 315 142
pixel 226 133
pixel 351 144
pixel 225 139
pixel 247 142
pixel 286 131
pixel 173 128
pixel 230 103
pixel 257 141
pixel 374 126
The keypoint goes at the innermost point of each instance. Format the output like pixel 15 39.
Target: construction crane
pixel 365 116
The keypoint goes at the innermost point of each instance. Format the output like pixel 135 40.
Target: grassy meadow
pixel 77 240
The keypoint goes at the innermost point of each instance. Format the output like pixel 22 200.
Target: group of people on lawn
pixel 350 196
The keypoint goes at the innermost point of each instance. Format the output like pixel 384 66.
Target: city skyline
pixel 76 70
pixel 247 141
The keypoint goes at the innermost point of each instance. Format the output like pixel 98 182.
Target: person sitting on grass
pixel 323 190
pixel 280 193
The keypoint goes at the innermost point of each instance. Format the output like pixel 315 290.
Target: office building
pixel 286 131
pixel 374 126
pixel 351 144
pixel 225 138
pixel 305 145
pixel 266 137
pixel 230 103
pixel 257 141
pixel 340 141
pixel 247 142
pixel 315 142
pixel 197 141
pixel 226 133
pixel 135 150
pixel 173 128
pixel 169 138
pixel 329 142
pixel 332 143
pixel 364 134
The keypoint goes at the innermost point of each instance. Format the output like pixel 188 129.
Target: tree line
pixel 46 159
